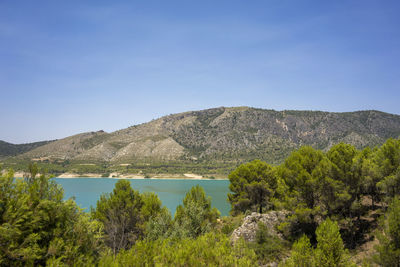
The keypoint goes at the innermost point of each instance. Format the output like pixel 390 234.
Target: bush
pixel 267 247
pixel 207 250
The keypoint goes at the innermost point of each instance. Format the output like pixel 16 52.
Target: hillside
pixel 223 135
pixel 8 149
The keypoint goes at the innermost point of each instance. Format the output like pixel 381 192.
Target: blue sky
pixel 74 66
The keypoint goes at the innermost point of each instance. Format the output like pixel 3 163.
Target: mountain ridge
pixel 223 134
pixel 9 149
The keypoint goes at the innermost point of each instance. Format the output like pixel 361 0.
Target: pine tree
pixel 120 213
pixel 302 254
pixel 253 185
pixel 196 216
pixel 388 160
pixel 389 240
pixel 330 249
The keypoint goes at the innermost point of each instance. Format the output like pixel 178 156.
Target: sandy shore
pixel 189 176
pixel 115 175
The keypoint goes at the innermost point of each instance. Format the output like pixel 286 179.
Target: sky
pixel 68 67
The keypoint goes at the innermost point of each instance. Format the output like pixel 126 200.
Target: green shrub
pixel 267 247
pixel 207 250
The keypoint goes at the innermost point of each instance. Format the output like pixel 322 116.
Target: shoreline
pixel 142 178
pixel 186 176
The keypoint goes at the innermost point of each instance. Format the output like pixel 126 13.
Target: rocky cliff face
pixel 225 134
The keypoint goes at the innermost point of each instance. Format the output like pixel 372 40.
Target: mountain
pixel 8 149
pixel 223 135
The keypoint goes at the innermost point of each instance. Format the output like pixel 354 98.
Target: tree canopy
pixel 253 185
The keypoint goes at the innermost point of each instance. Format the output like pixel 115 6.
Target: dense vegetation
pixel 332 199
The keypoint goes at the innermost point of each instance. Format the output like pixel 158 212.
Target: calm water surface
pixel 170 191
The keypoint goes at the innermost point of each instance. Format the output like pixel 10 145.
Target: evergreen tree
pixel 300 188
pixel 253 185
pixel 302 254
pixel 160 226
pixel 195 216
pixel 367 169
pixel 158 221
pixel 152 205
pixel 388 160
pixel 389 240
pixel 342 157
pixel 120 213
pixel 330 249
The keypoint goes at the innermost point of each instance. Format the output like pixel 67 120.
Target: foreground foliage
pixel 120 214
pixel 389 239
pixel 329 251
pixel 196 216
pixel 332 199
pixel 207 250
pixel 315 185
pixel 37 226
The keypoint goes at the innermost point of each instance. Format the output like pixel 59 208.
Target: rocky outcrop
pixel 249 227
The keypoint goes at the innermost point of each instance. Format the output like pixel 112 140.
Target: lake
pixel 170 191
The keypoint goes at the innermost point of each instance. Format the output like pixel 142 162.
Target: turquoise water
pixel 171 191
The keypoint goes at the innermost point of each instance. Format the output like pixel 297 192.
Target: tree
pixel 37 226
pixel 160 226
pixel 120 213
pixel 302 254
pixel 196 216
pixel 152 205
pixel 367 169
pixel 330 249
pixel 329 252
pixel 253 185
pixel 388 160
pixel 316 186
pixel 342 157
pixel 300 189
pixel 33 170
pixel 389 239
pixel 158 219
pixel 390 185
pixel 298 173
